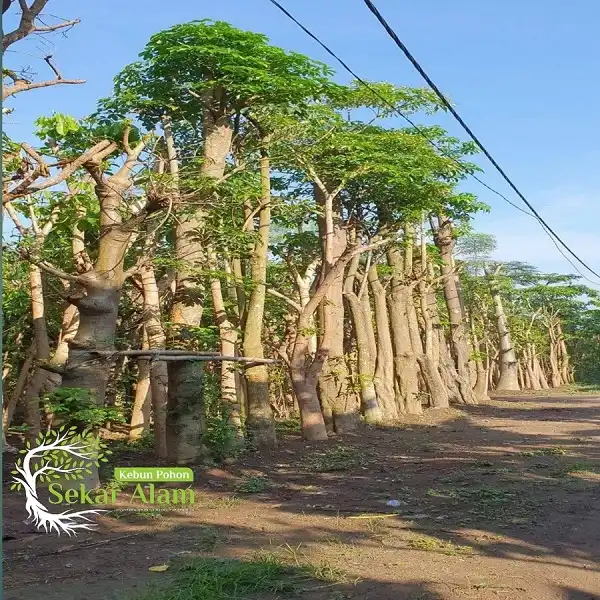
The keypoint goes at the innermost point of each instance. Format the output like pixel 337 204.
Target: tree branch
pixel 287 300
pixel 47 28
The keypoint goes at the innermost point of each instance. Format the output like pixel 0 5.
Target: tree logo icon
pixel 58 455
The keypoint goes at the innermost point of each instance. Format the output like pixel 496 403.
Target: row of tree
pixel 231 197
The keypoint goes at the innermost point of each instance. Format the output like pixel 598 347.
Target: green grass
pixel 223 502
pixel 431 544
pixel 252 485
pixel 552 451
pixel 291 425
pixel 339 458
pixel 266 575
pixel 222 579
pixel 206 539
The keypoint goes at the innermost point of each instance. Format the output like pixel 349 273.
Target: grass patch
pixel 207 539
pixel 223 502
pixel 136 516
pixel 339 458
pixel 552 451
pixel 252 485
pixel 432 493
pixel 291 425
pixel 222 579
pixel 431 544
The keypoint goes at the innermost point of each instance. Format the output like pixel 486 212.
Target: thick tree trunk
pixel 508 380
pixel 405 360
pixel 185 413
pixel 261 426
pixel 304 383
pixel 187 306
pixel 384 365
pixel 333 381
pixel 532 373
pixel 365 360
pixel 538 369
pixel 429 361
pixel 444 240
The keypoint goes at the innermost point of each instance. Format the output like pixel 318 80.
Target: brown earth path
pixel 500 500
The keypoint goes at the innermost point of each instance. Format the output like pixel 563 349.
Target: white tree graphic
pixel 58 454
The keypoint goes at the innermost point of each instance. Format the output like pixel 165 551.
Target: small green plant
pixel 77 407
pixel 339 458
pixel 143 444
pixel 291 425
pixel 220 435
pixel 325 571
pixel 252 485
pixel 114 484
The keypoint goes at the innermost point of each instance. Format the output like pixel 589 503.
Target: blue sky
pixel 522 74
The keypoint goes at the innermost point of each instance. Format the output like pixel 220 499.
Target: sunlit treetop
pixel 211 65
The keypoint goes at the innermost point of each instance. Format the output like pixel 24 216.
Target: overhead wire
pixel 371 6
pixel 425 136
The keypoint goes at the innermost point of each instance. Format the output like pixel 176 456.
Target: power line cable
pixel 394 108
pixel 420 130
pixel 469 131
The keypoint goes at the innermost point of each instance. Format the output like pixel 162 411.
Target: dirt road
pixel 500 500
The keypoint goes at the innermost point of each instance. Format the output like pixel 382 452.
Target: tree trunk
pixel 186 312
pixel 228 340
pixel 159 375
pixel 538 369
pixel 405 360
pixel 260 422
pixel 8 408
pixel 304 368
pixel 140 412
pixel 365 360
pixel 480 387
pixel 508 380
pixel 384 365
pixel 444 240
pixel 333 381
pixel 429 361
pixel 187 308
pixel 42 344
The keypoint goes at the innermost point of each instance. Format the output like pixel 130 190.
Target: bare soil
pixel 500 500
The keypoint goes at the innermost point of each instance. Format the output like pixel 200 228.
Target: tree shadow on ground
pixel 493 481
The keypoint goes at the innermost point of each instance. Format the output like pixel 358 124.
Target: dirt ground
pixel 500 500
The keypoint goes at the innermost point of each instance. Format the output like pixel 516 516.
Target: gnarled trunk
pixel 365 359
pixel 333 381
pixel 384 365
pixel 405 360
pixel 444 240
